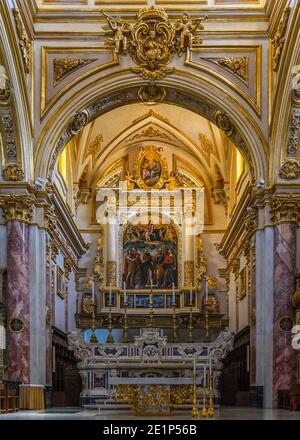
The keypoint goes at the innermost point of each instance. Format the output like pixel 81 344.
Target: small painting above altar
pixel 150 256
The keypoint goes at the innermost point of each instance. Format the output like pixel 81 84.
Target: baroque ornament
pixel 290 170
pixel 65 66
pixel 78 122
pixel 5 93
pixel 17 207
pixel 279 39
pixel 24 42
pixel 152 93
pixel 12 172
pixel 237 65
pixel 153 40
pixel 285 209
pixel 293 139
pixel 224 123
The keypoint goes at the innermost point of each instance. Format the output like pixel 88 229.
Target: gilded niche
pixel 153 40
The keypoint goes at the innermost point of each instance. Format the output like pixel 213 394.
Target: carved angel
pixel 187 28
pixel 120 30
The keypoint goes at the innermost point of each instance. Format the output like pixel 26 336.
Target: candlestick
pixel 211 409
pixel 194 365
pixel 204 409
pixel 210 365
pixel 110 295
pixel 204 379
pixel 195 410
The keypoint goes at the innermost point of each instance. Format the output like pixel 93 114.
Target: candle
pixel 173 288
pixel 194 365
pixel 191 294
pixel 204 382
pixel 110 296
pixel 93 290
pixel 125 295
pixel 210 366
pixel 206 290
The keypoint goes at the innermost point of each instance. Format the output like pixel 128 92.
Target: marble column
pixel 18 300
pixel 284 359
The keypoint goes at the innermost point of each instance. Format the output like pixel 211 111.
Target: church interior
pixel 150 209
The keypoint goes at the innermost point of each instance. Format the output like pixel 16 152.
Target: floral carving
pixel 279 39
pixel 12 172
pixel 290 170
pixel 224 123
pixel 237 65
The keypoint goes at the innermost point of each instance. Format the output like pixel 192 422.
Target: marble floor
pixel 225 413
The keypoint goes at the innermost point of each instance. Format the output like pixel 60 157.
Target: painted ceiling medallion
pixel 150 168
pixel 153 40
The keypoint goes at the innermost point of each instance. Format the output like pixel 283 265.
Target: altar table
pixel 32 397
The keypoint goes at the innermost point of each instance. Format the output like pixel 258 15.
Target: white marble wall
pixel 37 305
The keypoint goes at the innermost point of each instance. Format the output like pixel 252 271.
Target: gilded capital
pixel 285 209
pixel 17 207
pixel 12 172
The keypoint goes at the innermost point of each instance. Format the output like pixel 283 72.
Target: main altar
pixel 152 322
pixel 150 366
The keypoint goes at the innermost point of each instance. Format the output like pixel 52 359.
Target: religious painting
pixel 150 169
pixel 150 256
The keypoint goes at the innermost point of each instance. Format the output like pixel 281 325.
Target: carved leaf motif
pixel 65 66
pixel 237 65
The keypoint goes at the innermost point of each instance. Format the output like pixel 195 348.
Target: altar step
pixel 111 405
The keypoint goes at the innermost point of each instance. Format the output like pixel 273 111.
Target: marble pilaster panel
pixel 285 266
pixel 18 291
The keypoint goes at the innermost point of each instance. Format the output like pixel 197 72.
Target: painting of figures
pixel 150 256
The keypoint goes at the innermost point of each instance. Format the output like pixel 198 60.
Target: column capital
pixel 285 208
pixel 17 207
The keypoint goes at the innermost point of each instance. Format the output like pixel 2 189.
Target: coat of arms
pixel 153 40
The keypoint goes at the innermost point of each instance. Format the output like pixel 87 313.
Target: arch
pixel 199 95
pixel 20 105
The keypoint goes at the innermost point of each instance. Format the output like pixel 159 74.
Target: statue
pixel 172 183
pixel 187 29
pixel 130 181
pixel 120 30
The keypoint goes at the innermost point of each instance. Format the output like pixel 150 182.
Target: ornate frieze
pixel 189 273
pixel 290 169
pixel 293 139
pixel 239 66
pixel 285 209
pixel 153 40
pixel 12 172
pixel 65 66
pixel 17 207
pixel 24 42
pixel 279 39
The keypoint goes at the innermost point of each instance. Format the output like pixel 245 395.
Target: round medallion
pixel 286 324
pixel 16 325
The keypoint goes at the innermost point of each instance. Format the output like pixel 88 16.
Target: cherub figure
pixel 187 29
pixel 130 180
pixel 120 30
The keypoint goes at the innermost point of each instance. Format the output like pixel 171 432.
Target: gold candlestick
pixel 93 339
pixel 110 338
pixel 175 339
pixel 125 335
pixel 211 409
pixel 191 323
pixel 195 410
